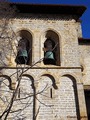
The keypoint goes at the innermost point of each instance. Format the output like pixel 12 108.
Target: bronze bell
pixel 22 57
pixel 22 53
pixel 49 58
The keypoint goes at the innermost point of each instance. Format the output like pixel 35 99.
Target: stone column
pixel 81 100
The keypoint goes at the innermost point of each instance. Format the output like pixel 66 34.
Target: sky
pixel 85 17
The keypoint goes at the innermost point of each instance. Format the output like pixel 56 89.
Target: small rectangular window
pixel 50 92
pixel 19 93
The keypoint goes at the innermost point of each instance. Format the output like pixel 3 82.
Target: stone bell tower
pixel 48 62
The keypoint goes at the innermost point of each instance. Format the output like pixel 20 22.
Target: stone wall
pixel 84 51
pixel 66 30
pixel 61 103
pixel 59 89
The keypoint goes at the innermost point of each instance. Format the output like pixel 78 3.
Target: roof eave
pixel 50 8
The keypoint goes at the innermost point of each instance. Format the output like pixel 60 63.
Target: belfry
pixel 44 63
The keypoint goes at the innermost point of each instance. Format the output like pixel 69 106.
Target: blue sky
pixel 85 18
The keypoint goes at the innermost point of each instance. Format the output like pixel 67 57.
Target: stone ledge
pixel 51 67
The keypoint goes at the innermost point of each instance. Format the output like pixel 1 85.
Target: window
pixel 24 48
pixel 51 95
pixel 49 52
pixel 51 48
pixel 22 52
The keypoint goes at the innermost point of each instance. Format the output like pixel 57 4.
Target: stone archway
pixel 54 36
pixel 71 89
pixel 60 103
pixel 26 36
pixel 5 92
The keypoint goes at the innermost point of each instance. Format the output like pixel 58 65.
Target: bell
pixel 49 58
pixel 22 57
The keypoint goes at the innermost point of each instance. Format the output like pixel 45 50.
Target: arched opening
pixel 48 88
pixel 51 49
pixel 25 99
pixel 24 48
pixel 49 52
pixel 68 84
pixel 52 80
pixel 6 80
pixel 5 92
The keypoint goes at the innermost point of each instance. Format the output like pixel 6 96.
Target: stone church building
pixel 43 51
